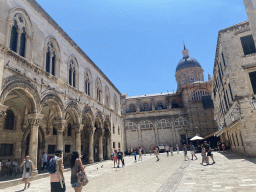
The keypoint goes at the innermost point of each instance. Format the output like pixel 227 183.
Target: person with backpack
pixel 76 166
pixel 27 169
pixel 55 168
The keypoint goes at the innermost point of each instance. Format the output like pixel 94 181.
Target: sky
pixel 138 43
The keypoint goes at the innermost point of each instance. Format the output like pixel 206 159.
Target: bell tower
pixel 250 6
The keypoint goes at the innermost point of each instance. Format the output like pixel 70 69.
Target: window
pixel 118 130
pixel 183 81
pixel 180 122
pixel 163 123
pixel 131 125
pixel 72 72
pixel 132 108
pixel 98 90
pixel 114 129
pixel 115 103
pixel 87 83
pixel 145 107
pixel 248 44
pixel 253 80
pixel 160 105
pixel 230 90
pixel 69 129
pixel 114 145
pixel 6 149
pixel 51 149
pixel 146 125
pixel 54 131
pixel 107 96
pixel 51 56
pixel 192 80
pixel 223 59
pixel 67 148
pixel 198 94
pixel 9 120
pixel 119 145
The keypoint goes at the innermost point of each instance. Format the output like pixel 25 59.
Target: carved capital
pixel 100 132
pixel 3 108
pixel 34 119
pixel 107 134
pixel 78 128
pixel 60 125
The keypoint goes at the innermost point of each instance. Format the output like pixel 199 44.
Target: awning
pixel 220 132
pixel 213 134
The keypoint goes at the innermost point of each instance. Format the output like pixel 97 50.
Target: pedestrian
pixel 16 166
pixel 57 176
pixel 76 166
pixel 218 146
pixel 209 152
pixel 177 148
pixel 144 150
pixel 167 149
pixel 8 165
pixel 185 150
pixel 120 157
pixel 44 160
pixel 192 150
pixel 135 155
pixel 149 150
pixel 112 153
pixel 27 169
pixel 203 154
pixel 140 154
pixel 171 149
pixel 115 158
pixel 223 148
pixel 157 153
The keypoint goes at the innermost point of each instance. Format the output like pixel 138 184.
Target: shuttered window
pixel 248 44
pixel 253 81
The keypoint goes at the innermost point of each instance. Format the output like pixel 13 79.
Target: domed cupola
pixel 188 70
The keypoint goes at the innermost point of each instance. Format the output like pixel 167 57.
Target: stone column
pixel 10 23
pixel 108 136
pixel 18 41
pixel 1 75
pixel 78 129
pixel 91 133
pixel 60 126
pixel 100 132
pixel 34 119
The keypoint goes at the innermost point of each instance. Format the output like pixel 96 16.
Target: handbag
pixel 82 178
pixel 27 169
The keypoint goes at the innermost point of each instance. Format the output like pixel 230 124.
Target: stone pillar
pixel 60 126
pixel 78 129
pixel 100 132
pixel 1 75
pixel 108 137
pixel 34 119
pixel 91 133
pixel 18 41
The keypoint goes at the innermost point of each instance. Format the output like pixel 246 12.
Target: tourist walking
pixel 111 153
pixel 157 153
pixel 144 151
pixel 76 166
pixel 171 149
pixel 167 149
pixel 218 146
pixel 192 150
pixel 177 148
pixel 120 157
pixel 55 167
pixel 223 148
pixel 115 158
pixel 44 160
pixel 27 169
pixel 140 154
pixel 203 154
pixel 135 155
pixel 209 152
pixel 185 150
pixel 149 150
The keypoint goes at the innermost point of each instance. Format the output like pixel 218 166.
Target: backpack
pixel 51 164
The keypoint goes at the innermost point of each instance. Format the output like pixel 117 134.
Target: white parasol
pixel 196 138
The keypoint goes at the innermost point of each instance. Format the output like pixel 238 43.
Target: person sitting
pixel 15 167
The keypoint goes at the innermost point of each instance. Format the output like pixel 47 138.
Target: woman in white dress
pixel 27 169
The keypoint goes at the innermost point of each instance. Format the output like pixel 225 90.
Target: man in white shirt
pixel 167 149
pixel 44 160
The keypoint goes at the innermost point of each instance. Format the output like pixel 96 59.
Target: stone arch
pixel 163 123
pixel 99 120
pixel 180 121
pixel 198 93
pixel 107 124
pixel 21 85
pixel 146 124
pixel 74 110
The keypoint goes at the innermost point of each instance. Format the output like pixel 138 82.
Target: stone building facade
pixel 52 95
pixel 234 84
pixel 171 118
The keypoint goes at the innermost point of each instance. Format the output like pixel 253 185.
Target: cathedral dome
pixel 187 61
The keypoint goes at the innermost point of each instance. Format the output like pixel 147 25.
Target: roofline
pixel 231 28
pixel 53 23
pixel 151 95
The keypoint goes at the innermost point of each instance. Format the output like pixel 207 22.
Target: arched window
pixel 163 123
pixel 72 72
pixel 146 125
pixel 132 108
pixel 87 83
pixel 52 52
pixel 9 120
pixel 115 103
pixel 18 36
pixel 131 125
pixel 198 94
pixel 69 129
pixel 160 105
pixel 107 96
pixel 114 129
pixel 180 122
pixel 98 90
pixel 54 131
pixel 118 130
pixel 145 107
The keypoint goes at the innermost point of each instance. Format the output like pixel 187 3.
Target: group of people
pixel 117 157
pixel 57 178
pixel 8 167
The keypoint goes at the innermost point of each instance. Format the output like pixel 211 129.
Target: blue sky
pixel 138 43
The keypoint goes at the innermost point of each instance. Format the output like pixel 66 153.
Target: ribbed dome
pixel 186 62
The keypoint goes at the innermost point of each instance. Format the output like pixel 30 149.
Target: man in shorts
pixel 209 153
pixel 192 150
pixel 167 149
pixel 157 153
pixel 119 157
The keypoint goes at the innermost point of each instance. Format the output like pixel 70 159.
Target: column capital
pixel 34 119
pixel 100 132
pixel 60 124
pixel 78 128
pixel 3 108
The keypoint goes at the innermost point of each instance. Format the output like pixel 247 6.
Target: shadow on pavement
pixel 231 155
